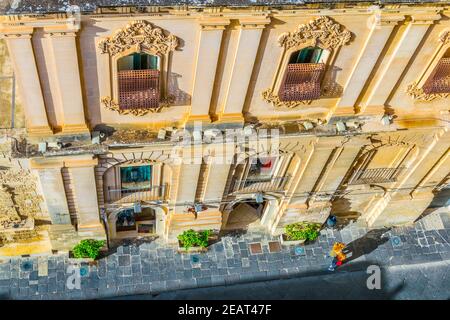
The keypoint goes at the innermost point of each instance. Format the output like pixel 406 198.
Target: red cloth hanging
pixel 266 165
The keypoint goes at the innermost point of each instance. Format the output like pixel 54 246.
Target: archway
pixel 247 212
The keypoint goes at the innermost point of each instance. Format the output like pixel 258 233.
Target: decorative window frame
pixel 415 89
pixel 322 32
pixel 142 37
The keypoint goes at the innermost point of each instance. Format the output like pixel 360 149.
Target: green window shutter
pixel 136 61
pixel 153 62
pixel 302 56
pixel 316 55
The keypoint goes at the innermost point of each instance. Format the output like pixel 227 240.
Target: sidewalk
pixel 150 268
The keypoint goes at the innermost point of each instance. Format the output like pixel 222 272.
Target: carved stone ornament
pixel 139 34
pixel 272 98
pixel 444 37
pixel 417 93
pixel 112 105
pixel 322 30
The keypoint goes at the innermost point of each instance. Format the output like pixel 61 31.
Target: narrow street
pixel 421 281
pixel 413 260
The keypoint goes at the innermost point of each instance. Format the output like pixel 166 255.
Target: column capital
pixel 387 19
pixel 67 29
pixel 213 23
pixel 54 34
pixel 15 32
pixel 258 22
pixel 425 18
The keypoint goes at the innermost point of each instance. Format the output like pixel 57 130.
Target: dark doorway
pixel 245 214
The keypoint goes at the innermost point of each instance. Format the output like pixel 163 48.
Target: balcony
pixel 301 82
pixel 138 89
pixel 259 184
pixel 152 193
pixel 439 82
pixel 381 175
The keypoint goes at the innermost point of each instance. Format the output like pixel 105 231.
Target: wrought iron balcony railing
pixel 381 175
pixel 138 89
pixel 259 184
pixel 301 82
pixel 137 194
pixel 439 81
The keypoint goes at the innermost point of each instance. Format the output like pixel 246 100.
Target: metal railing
pixel 379 175
pixel 137 194
pixel 301 82
pixel 439 82
pixel 259 184
pixel 138 89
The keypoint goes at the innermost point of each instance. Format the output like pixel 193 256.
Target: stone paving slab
pixel 152 267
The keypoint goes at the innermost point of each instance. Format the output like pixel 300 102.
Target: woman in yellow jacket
pixel 337 254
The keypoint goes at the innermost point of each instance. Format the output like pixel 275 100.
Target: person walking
pixel 337 255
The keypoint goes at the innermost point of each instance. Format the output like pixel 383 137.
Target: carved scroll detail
pixel 141 34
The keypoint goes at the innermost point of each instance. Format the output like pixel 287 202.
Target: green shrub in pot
pixel 88 248
pixel 302 231
pixel 191 238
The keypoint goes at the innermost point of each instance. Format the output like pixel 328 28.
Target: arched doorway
pixel 249 214
pixel 245 215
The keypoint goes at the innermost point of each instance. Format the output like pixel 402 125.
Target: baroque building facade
pixel 341 110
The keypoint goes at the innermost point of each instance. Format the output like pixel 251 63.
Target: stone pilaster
pixel 247 48
pixel 68 86
pixel 205 71
pixel 394 67
pixel 21 52
pixel 382 27
pixel 84 189
pixel 55 198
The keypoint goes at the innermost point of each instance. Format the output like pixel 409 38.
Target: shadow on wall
pixel 182 98
pixel 341 208
pixel 330 88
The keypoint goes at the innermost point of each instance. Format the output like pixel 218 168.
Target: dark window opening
pixel 138 61
pixel 142 222
pixel 307 55
pixel 135 178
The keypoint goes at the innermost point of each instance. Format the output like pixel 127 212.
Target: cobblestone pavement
pixel 425 281
pixel 150 267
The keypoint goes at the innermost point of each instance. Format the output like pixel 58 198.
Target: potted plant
pixel 87 250
pixel 298 233
pixel 193 241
